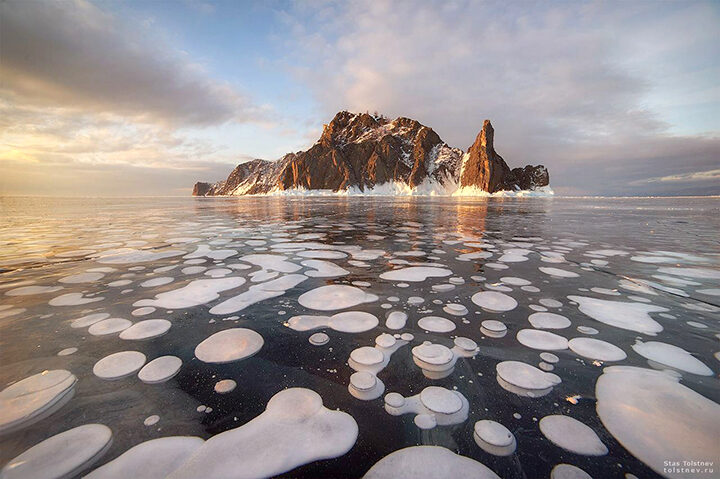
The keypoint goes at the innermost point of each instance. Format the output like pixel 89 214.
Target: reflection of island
pixel 366 154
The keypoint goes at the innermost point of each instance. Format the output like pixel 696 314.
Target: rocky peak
pixel 348 127
pixel 361 151
pixel 484 168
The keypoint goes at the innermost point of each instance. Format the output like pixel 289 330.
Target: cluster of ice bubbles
pixel 296 428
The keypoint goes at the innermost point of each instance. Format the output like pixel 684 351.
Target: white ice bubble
pixel 130 255
pixel 493 328
pixel 494 438
pixel 272 262
pixel 143 311
pixel 160 370
pixel 558 273
pixel 323 269
pixel 672 356
pixel 88 320
pixel 30 290
pixel 259 292
pixel 428 462
pixel 195 293
pixel 701 273
pixel 204 251
pixel 73 299
pixel 229 345
pixel 568 471
pixel 415 273
pixel 709 291
pixel 34 398
pixel 81 278
pixel 109 326
pixel 440 400
pixel 335 296
pixel 434 406
pixel 319 339
pixel 151 283
pixel 190 270
pixel 365 386
pixel 67 351
pixel 631 316
pixel 346 322
pixel 494 301
pixel 436 324
pixel 538 339
pixel 572 435
pixel 656 418
pixel 548 321
pixel 295 429
pixel 396 320
pixel 550 303
pixel 147 329
pixel 153 459
pixel 587 330
pixel 323 254
pixel 225 386
pixel 455 309
pixel 151 420
pixel 525 376
pixel 119 365
pixel 63 455
pixel 513 281
pixel 596 349
pixel 549 358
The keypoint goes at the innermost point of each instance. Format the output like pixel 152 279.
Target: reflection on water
pixel 79 278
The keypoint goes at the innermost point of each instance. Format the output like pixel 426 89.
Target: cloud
pixel 710 175
pixel 58 177
pixel 94 103
pixel 566 85
pixel 72 54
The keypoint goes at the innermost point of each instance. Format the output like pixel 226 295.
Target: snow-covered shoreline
pixel 402 189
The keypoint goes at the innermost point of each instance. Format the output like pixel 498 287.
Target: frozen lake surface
pixel 331 337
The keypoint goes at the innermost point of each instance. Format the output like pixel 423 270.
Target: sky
pixel 114 98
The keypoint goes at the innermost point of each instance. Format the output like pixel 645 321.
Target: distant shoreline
pixel 365 196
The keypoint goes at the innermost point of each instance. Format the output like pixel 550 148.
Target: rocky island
pixel 370 154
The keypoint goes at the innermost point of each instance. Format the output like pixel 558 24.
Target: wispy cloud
pixel 710 175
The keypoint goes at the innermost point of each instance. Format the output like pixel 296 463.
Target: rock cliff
pixel 367 153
